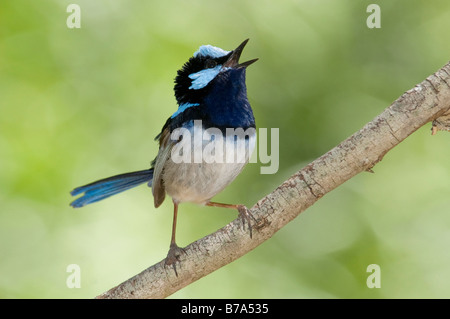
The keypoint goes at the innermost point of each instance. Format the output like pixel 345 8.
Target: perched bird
pixel 212 102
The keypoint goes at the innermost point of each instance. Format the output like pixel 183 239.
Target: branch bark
pixel 426 102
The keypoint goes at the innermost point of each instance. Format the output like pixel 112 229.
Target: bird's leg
pixel 173 256
pixel 244 213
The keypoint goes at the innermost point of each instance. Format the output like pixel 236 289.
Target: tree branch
pixel 427 101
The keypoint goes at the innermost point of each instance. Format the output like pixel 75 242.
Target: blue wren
pixel 211 94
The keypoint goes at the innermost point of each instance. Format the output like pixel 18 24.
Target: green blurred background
pixel 82 104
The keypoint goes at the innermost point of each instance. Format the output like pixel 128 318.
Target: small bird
pixel 212 101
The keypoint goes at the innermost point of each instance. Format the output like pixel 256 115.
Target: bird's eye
pixel 210 63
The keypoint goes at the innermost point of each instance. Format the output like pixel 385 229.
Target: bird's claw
pixel 173 256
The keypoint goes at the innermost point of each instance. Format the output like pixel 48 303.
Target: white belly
pixel 207 170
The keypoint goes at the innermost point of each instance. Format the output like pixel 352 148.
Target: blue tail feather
pixel 110 186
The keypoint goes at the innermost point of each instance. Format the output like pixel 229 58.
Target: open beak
pixel 233 60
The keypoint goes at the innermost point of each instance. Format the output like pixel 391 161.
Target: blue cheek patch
pixel 203 77
pixel 182 108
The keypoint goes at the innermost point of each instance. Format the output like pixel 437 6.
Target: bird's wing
pixel 165 149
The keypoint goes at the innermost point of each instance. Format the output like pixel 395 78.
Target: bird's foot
pixel 245 215
pixel 173 256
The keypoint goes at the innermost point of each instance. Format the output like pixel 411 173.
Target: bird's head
pixel 204 68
